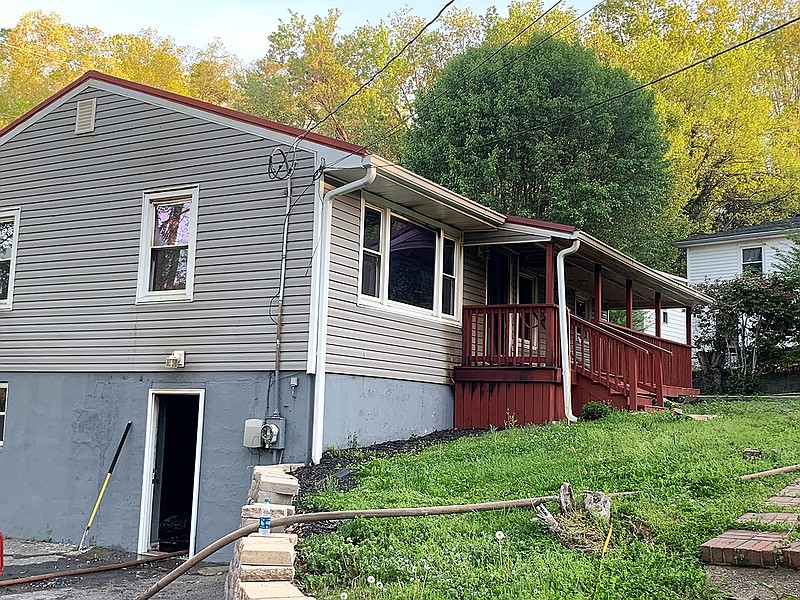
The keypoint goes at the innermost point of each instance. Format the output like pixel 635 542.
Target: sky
pixel 242 25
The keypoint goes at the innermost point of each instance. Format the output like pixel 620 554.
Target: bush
pixel 593 411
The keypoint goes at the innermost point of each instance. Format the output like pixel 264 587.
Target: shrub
pixel 593 411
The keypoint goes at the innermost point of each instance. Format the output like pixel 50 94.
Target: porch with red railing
pixel 511 366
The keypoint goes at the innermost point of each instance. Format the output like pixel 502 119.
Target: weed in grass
pixel 686 472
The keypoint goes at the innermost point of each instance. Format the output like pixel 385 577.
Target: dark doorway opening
pixel 173 474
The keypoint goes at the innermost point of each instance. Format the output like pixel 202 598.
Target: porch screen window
pixel 406 264
pixel 752 260
pixel 8 230
pixel 167 253
pixel 3 402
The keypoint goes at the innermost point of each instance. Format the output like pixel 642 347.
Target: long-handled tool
pixel 105 483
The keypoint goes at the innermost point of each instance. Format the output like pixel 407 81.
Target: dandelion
pixel 370 579
pixel 343 595
pixel 499 535
pixel 379 585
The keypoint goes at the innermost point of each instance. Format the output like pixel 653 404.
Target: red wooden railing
pixel 510 335
pixel 608 359
pixel 650 359
pixel 677 365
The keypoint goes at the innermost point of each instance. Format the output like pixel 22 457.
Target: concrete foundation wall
pixel 366 410
pixel 62 431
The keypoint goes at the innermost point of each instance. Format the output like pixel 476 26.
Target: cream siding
pixel 77 262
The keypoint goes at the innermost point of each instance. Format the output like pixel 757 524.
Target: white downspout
pixel 563 326
pixel 322 295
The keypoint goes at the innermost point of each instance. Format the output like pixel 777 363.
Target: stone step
pixel 276 497
pixel 744 548
pixel 267 551
pixel 770 518
pixel 791 490
pixel 262 573
pixel 274 590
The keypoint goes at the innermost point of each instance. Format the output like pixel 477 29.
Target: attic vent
pixel 84 122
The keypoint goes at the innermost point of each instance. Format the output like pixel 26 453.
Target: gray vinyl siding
pixel 81 208
pixel 373 342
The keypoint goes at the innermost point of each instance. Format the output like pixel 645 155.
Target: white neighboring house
pixel 723 256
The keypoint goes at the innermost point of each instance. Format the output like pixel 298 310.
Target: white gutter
pixel 563 326
pixel 322 294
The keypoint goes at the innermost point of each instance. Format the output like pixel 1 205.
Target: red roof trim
pixel 540 224
pixel 191 102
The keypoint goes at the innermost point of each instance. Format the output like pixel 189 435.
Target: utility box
pixel 275 429
pixel 252 433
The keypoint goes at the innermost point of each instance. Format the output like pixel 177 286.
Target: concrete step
pixel 274 590
pixel 744 548
pixel 769 518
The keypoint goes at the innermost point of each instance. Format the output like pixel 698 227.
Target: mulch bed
pixel 337 467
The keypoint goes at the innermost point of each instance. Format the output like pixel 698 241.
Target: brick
pixel 742 547
pixel 266 551
pixel 290 537
pixel 262 573
pixel 283 486
pixel 769 518
pixel 785 501
pixel 274 590
pixel 790 490
pixel 791 556
pixel 274 496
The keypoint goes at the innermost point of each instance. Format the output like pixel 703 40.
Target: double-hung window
pixel 9 230
pixel 166 254
pixel 3 403
pixel 753 260
pixel 407 264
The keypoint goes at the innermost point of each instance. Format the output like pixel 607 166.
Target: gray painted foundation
pixel 62 430
pixel 360 411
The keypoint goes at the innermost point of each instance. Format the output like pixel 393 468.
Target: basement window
pixel 167 247
pixel 9 228
pixel 3 403
pixel 406 264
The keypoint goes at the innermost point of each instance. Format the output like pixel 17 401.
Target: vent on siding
pixel 84 121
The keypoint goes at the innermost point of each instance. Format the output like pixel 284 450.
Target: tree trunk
pixel 711 363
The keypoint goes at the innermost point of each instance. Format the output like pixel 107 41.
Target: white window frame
pixel 743 264
pixel 442 232
pixel 150 199
pixel 11 214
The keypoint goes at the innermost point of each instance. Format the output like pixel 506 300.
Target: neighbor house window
pixel 9 228
pixel 166 261
pixel 408 264
pixel 3 403
pixel 752 260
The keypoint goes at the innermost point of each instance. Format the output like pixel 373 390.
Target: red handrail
pixel 509 335
pixel 677 365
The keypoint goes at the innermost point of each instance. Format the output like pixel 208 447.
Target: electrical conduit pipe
pixel 563 326
pixel 322 294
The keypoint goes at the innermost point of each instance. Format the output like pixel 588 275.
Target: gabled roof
pixel 771 229
pixel 189 102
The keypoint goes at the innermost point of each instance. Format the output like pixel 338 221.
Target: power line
pixel 645 85
pixel 364 85
pixel 403 122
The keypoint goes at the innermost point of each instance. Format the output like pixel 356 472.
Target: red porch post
pixel 551 351
pixel 689 325
pixel 629 303
pixel 658 314
pixel 598 293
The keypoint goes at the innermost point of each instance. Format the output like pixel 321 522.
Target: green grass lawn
pixel 686 471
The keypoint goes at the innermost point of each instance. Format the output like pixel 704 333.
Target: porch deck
pixel 511 366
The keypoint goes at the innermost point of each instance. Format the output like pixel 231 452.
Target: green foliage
pixel 752 325
pixel 603 170
pixel 594 411
pixel 686 471
pixel 789 261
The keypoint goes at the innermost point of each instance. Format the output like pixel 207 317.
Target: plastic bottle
pixel 266 517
